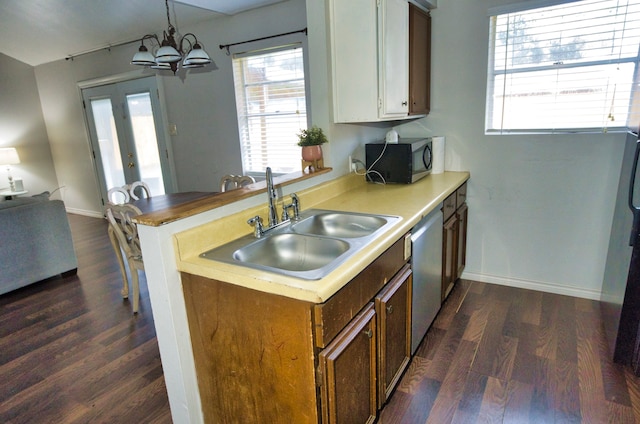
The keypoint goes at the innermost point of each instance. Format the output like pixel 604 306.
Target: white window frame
pixel 495 73
pixel 273 45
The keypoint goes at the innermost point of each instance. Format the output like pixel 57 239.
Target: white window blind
pixel 565 68
pixel 271 103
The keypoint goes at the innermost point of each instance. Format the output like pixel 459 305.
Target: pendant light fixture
pixel 170 53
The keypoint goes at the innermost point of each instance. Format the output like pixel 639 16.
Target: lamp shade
pixel 197 56
pixel 9 156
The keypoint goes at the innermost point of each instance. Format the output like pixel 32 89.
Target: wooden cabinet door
pixel 393 308
pixel 419 61
pixel 461 254
pixel 449 250
pixel 348 372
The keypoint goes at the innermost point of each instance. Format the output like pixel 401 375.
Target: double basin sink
pixel 310 247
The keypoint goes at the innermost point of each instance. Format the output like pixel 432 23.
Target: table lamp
pixel 9 156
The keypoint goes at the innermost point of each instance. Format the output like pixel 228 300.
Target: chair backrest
pixel 121 219
pixel 118 195
pixel 231 182
pixel 144 189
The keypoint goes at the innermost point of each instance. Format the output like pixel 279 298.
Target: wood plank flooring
pixel 505 355
pixel 72 352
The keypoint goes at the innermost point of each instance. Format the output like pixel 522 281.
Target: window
pixel 569 67
pixel 271 103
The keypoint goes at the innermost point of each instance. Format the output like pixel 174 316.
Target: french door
pixel 127 135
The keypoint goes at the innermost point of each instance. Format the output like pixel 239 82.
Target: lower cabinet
pixel 348 371
pixel 363 364
pixel 265 358
pixel 449 249
pixel 454 241
pixel 393 309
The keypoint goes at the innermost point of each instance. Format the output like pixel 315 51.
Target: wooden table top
pixel 169 200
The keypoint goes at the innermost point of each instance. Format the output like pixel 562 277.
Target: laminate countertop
pixel 350 193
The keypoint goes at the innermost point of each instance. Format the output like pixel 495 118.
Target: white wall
pixel 540 207
pixel 22 126
pixel 201 104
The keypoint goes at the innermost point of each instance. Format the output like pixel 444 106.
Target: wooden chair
pixel 235 181
pixel 118 195
pixel 123 234
pixel 144 189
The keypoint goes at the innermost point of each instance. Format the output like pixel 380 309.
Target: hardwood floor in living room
pixel 71 351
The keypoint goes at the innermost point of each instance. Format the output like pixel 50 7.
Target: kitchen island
pixel 195 234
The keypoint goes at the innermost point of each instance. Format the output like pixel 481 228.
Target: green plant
pixel 311 137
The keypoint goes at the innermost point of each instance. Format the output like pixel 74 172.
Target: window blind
pixel 271 105
pixel 564 68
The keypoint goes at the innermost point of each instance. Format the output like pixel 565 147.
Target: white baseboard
pixel 93 214
pixel 533 285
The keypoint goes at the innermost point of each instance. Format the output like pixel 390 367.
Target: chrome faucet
pixel 256 221
pixel 271 194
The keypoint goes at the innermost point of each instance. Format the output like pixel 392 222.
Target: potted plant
pixel 311 140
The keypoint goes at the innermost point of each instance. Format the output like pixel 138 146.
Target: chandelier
pixel 170 53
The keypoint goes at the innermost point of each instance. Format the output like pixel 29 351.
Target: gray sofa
pixel 35 241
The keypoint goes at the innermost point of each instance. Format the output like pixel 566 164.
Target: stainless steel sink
pixel 292 252
pixel 308 248
pixel 339 224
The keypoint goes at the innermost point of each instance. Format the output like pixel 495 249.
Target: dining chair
pixel 144 189
pixel 118 195
pixel 232 182
pixel 123 234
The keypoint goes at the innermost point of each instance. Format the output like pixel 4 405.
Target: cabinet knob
pixel 368 333
pixel 390 309
pixel 404 103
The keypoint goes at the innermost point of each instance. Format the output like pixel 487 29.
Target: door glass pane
pixel 144 138
pixel 108 142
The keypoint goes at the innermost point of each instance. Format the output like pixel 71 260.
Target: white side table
pixel 8 195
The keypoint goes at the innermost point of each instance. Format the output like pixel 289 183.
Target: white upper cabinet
pixel 369 59
pixel 393 22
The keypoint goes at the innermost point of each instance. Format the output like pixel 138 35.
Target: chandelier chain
pixel 166 3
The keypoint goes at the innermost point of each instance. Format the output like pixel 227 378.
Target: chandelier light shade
pixel 169 52
pixel 9 156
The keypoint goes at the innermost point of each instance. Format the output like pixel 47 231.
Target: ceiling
pixel 42 31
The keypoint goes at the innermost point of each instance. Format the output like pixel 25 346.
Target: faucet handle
pixel 257 222
pixel 285 211
pixel 295 202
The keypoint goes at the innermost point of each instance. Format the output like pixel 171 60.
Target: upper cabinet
pixel 419 61
pixel 371 58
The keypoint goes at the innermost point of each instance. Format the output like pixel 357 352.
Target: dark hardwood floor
pixel 71 351
pixel 505 355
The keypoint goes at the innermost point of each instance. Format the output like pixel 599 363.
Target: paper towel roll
pixel 437 150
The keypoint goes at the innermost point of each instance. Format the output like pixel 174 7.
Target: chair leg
pixel 116 248
pixel 135 286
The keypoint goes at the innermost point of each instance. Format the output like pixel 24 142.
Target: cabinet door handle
pixel 390 309
pixel 404 103
pixel 368 333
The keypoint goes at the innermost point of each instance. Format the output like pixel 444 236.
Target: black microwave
pixel 404 162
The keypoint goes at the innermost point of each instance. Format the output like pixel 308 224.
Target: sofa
pixel 35 241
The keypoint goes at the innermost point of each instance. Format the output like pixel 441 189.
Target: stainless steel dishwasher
pixel 426 263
